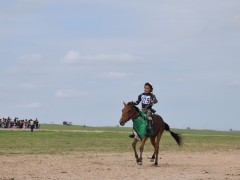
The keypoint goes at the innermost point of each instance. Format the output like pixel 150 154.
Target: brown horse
pixel 131 112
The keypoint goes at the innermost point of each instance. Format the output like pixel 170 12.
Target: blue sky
pixel 78 60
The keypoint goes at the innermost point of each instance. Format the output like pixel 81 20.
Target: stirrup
pixel 150 129
pixel 149 118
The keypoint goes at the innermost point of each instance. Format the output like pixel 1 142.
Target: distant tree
pixel 231 129
pixel 188 128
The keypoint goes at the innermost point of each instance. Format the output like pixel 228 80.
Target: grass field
pixel 60 139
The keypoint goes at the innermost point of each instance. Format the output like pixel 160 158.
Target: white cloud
pixel 28 63
pixel 30 58
pixel 74 57
pixel 181 80
pixel 93 83
pixel 27 86
pixel 137 83
pixel 24 5
pixel 34 105
pixel 235 83
pixel 237 18
pixel 69 93
pixel 29 105
pixel 114 75
pixel 19 70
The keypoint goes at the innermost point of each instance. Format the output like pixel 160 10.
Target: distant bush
pixel 67 123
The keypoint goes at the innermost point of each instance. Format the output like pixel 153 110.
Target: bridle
pixel 135 114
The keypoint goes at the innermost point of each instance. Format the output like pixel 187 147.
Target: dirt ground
pixel 181 165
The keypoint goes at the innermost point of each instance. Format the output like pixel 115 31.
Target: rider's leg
pixel 150 122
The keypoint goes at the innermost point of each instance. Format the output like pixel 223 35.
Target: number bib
pixel 146 99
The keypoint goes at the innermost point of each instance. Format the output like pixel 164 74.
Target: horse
pixel 130 111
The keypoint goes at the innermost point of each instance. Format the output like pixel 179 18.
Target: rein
pixel 135 114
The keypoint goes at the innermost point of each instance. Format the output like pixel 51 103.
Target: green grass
pixel 67 140
pixel 86 128
pixel 43 142
pixel 206 140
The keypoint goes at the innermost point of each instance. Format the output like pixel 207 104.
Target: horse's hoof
pixel 152 160
pixel 139 161
pixel 156 164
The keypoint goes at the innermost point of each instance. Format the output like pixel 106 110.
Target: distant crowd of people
pixel 17 123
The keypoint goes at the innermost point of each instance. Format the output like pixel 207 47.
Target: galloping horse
pixel 132 112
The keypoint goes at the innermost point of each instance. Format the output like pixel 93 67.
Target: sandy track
pixel 181 165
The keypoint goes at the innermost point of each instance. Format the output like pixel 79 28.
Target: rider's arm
pixel 139 100
pixel 154 99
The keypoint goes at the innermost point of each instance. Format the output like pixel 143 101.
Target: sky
pixel 78 60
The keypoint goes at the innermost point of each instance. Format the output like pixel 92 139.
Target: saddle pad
pixel 140 124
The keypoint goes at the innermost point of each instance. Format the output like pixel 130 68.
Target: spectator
pixel 31 124
pixel 16 123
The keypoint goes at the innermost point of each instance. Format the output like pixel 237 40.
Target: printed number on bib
pixel 146 99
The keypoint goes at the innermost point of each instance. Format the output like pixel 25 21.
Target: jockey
pixel 147 99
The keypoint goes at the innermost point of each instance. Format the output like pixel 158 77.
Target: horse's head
pixel 128 112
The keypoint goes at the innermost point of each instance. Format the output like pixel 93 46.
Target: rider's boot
pixel 150 126
pixel 131 135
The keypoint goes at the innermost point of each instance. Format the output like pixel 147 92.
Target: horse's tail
pixel 176 136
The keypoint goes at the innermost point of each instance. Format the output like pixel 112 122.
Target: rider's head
pixel 148 88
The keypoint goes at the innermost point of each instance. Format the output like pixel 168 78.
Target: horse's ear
pixel 124 103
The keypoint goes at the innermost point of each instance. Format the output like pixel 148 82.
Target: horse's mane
pixel 136 108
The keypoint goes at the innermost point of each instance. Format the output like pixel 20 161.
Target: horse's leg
pixel 139 161
pixel 134 148
pixel 157 146
pixel 153 144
